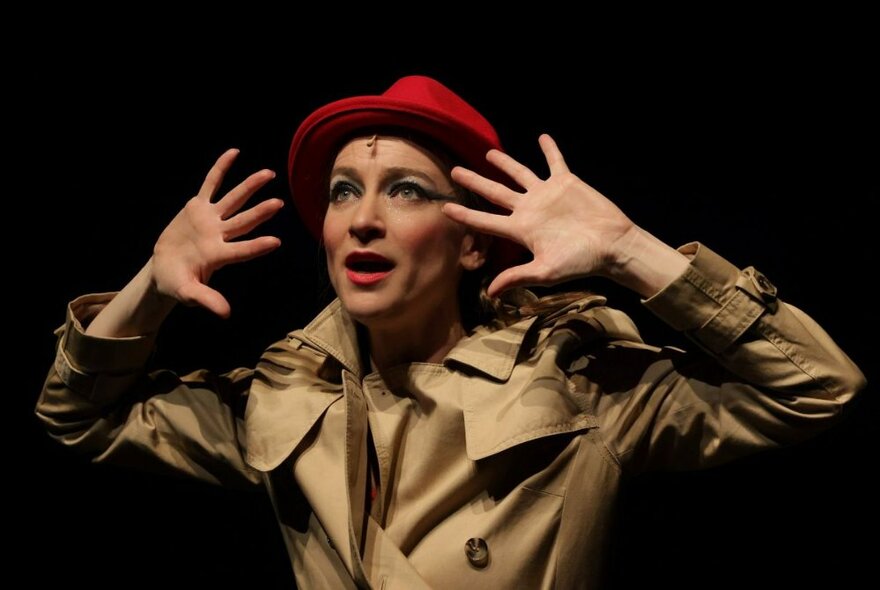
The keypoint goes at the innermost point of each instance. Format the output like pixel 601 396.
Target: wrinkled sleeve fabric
pixel 99 399
pixel 771 375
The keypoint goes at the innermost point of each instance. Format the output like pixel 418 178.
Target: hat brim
pixel 319 136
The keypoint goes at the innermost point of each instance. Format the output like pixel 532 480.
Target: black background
pixel 767 156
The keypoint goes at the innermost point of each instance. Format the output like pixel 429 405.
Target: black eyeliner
pixel 427 193
pixel 341 184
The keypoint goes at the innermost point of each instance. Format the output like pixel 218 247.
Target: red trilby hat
pixel 417 103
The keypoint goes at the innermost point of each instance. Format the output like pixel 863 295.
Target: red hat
pixel 418 103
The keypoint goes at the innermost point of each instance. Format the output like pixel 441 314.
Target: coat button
pixel 477 552
pixel 768 290
pixel 761 288
pixel 765 285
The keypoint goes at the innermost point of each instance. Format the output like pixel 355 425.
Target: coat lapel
pixel 286 399
pixel 531 396
pixel 295 382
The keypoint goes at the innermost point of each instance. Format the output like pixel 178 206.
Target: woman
pixel 420 432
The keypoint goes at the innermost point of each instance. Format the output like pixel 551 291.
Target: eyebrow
pixel 387 174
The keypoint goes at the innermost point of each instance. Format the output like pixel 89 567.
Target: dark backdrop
pixel 769 160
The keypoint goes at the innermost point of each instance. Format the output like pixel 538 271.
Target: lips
pixel 367 268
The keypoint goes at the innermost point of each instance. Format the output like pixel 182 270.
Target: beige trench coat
pixel 499 466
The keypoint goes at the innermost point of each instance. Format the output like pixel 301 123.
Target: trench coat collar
pixel 489 351
pixel 495 351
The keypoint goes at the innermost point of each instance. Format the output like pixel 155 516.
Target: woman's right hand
pixel 198 241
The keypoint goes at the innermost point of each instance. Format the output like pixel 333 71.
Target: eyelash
pixel 337 188
pixel 399 186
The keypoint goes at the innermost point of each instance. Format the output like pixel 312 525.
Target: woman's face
pixel 394 258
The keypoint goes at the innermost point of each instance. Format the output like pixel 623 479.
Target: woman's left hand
pixel 571 229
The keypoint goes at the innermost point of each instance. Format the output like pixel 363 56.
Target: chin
pixel 370 308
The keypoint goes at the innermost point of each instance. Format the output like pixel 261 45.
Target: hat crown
pixel 432 95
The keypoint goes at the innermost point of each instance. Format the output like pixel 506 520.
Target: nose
pixel 368 220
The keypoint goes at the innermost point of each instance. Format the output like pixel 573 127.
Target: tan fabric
pixel 520 437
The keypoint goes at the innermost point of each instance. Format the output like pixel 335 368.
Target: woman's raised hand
pixel 570 228
pixel 199 240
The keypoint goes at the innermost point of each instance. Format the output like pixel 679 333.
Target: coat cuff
pixel 713 301
pixel 97 367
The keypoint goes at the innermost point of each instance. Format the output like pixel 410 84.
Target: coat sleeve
pixel 771 375
pixel 99 399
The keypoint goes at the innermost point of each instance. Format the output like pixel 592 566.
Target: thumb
pixel 517 276
pixel 200 294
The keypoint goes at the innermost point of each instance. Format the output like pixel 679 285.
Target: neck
pixel 428 342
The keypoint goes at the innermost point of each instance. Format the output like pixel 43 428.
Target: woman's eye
pixel 341 191
pixel 408 191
